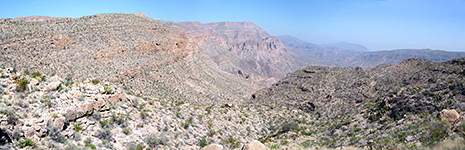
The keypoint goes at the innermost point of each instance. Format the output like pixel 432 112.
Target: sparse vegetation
pixel 21 85
pixel 95 81
pixel 108 89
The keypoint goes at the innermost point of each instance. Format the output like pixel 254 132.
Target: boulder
pixel 34 82
pixel 52 86
pixel 55 78
pixel 213 147
pixel 255 145
pixel 58 122
pixel 449 115
pixel 115 99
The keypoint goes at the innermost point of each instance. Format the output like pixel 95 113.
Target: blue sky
pixel 376 24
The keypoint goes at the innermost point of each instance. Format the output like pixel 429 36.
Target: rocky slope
pixel 51 112
pixel 143 55
pixel 401 106
pixel 416 103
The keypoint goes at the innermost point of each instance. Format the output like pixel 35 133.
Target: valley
pixel 127 81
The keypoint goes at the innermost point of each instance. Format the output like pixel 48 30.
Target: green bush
pixel 88 141
pixel 203 142
pixel 77 127
pixel 21 85
pixel 95 81
pixel 28 143
pixel 48 102
pixel 289 126
pixel 38 76
pixel 54 133
pixel 438 131
pixel 92 146
pixel 307 144
pixel 154 142
pixel 107 89
pixel 232 142
pixel 68 80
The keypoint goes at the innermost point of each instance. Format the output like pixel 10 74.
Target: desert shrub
pixel 154 142
pixel 119 119
pixel 95 81
pixel 203 142
pixel 21 85
pixel 232 142
pixel 92 146
pixel 105 135
pixel 289 126
pixel 107 89
pixel 77 136
pixel 54 133
pixel 306 144
pixel 88 141
pixel 211 133
pixel 26 72
pixel 48 102
pixel 27 143
pixel 105 124
pixel 60 87
pixel 187 123
pixel 68 80
pixel 438 131
pixel 275 146
pixel 38 76
pixel 127 130
pixel 97 115
pixel 12 118
pixel 77 127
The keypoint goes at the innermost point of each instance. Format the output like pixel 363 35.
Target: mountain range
pixel 355 55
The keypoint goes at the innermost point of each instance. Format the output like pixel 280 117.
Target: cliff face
pixel 243 47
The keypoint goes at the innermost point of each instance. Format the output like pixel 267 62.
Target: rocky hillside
pixel 146 56
pixel 39 111
pixel 414 103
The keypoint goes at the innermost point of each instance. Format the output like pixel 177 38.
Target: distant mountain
pixel 314 54
pixel 355 55
pixel 347 46
pixel 373 59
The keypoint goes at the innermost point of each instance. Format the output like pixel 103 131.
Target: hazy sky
pixel 376 24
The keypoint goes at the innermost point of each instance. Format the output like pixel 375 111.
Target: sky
pixel 376 24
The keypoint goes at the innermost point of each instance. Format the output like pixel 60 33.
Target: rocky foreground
pixel 51 112
pixel 306 110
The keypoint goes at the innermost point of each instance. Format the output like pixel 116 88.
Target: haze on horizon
pixel 376 24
